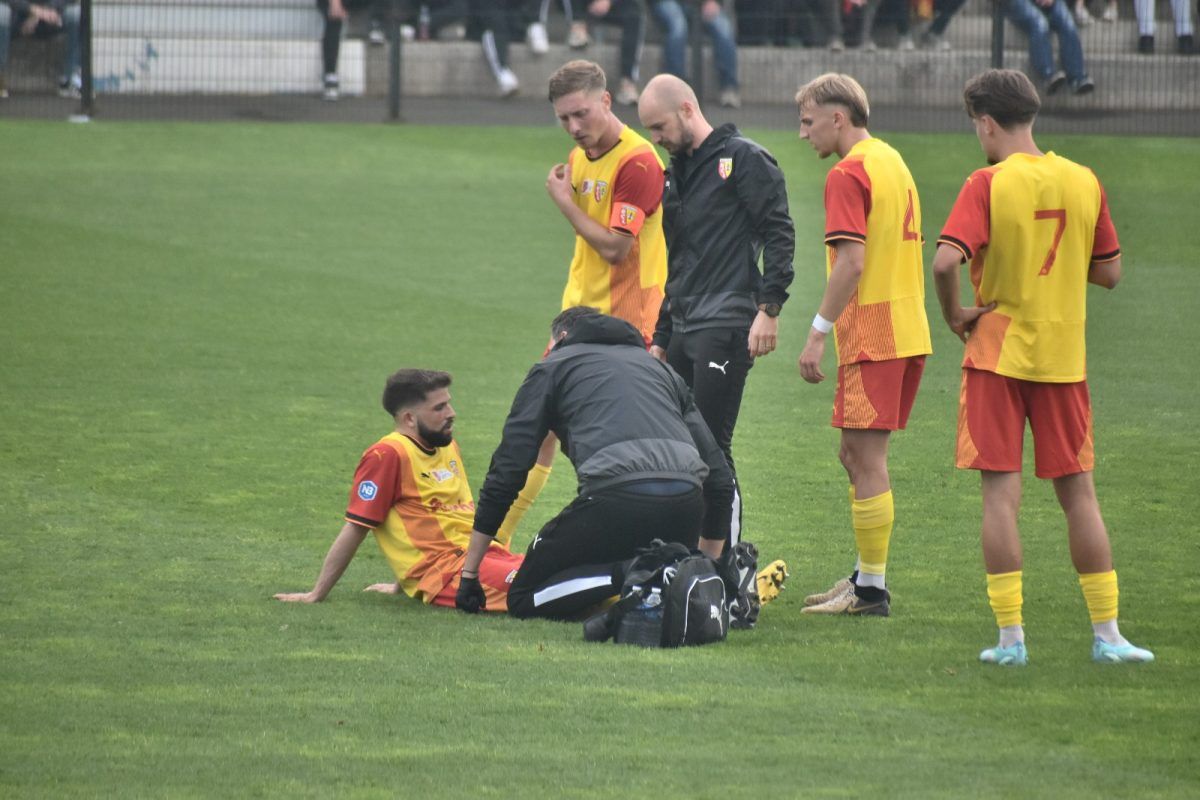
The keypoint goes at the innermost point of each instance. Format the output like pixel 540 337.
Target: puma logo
pixel 721 367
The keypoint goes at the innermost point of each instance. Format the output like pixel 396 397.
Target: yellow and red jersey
pixel 622 190
pixel 418 503
pixel 870 197
pixel 1031 226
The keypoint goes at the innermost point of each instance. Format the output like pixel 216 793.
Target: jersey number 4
pixel 910 235
pixel 1059 215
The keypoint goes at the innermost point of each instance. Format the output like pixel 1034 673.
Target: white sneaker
pixel 627 95
pixel 507 82
pixel 836 44
pixel 906 43
pixel 730 98
pixel 408 33
pixel 1082 17
pixel 330 92
pixel 577 36
pixel 375 35
pixel 539 42
pixel 1110 12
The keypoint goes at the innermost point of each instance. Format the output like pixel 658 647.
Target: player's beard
pixel 434 438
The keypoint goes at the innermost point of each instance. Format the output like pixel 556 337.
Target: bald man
pixel 724 205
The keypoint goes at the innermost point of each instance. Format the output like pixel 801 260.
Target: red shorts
pixel 877 395
pixel 496 573
pixel 992 410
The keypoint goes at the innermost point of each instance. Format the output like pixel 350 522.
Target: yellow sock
pixel 535 481
pixel 1100 593
pixel 1004 594
pixel 873 519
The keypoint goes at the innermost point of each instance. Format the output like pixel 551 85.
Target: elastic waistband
pixel 657 487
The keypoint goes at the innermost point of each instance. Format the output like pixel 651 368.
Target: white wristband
pixel 821 324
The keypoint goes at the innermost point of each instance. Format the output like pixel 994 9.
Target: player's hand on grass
pixel 810 357
pixel 964 321
pixel 298 597
pixel 659 353
pixel 470 597
pixel 384 588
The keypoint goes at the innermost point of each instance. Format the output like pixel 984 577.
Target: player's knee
pixel 520 604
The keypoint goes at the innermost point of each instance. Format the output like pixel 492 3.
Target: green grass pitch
pixel 195 324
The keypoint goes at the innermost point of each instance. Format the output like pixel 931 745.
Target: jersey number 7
pixel 1060 216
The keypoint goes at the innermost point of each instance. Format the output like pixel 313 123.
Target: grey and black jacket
pixel 723 207
pixel 620 415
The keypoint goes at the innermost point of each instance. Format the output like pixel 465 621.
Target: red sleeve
pixel 637 192
pixel 375 486
pixel 968 228
pixel 847 201
pixel 1105 246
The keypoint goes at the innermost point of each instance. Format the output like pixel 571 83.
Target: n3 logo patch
pixel 367 490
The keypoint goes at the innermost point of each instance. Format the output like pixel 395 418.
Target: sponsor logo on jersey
pixel 441 475
pixel 628 214
pixel 510 576
pixel 436 506
pixel 725 168
pixel 586 186
pixel 367 490
pixel 599 191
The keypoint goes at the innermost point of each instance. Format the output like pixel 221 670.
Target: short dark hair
pixel 567 319
pixel 411 386
pixel 1005 95
pixel 577 76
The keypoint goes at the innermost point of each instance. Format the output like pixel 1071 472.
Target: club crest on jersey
pixel 628 215
pixel 725 168
pixel 441 475
pixel 599 191
pixel 367 490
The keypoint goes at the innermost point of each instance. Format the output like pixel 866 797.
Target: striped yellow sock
pixel 1004 595
pixel 873 519
pixel 535 481
pixel 1100 593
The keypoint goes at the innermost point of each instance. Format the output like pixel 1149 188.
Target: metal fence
pixel 1127 67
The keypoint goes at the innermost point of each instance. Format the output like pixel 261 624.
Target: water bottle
pixel 643 625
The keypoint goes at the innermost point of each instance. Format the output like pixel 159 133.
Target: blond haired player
pixel 1036 230
pixel 874 302
pixel 610 191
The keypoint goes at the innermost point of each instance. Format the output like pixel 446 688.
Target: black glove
pixel 470 597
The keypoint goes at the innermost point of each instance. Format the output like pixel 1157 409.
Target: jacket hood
pixel 602 329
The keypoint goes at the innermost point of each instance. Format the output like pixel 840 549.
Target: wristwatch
pixel 770 309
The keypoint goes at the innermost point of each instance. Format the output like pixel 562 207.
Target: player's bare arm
pixel 1105 273
pixel 340 554
pixel 843 282
pixel 613 246
pixel 960 319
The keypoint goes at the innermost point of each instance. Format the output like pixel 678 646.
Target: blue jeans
pixel 70 26
pixel 673 20
pixel 1037 22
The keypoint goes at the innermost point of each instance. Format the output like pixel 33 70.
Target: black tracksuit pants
pixel 577 559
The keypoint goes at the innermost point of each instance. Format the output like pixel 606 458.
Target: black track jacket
pixel 620 414
pixel 723 207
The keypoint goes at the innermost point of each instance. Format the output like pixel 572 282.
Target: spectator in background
pixel 630 17
pixel 335 12
pixel 497 19
pixel 536 34
pixel 1182 11
pixel 1085 18
pixel 934 35
pixel 672 17
pixel 1037 18
pixel 897 10
pixel 42 20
